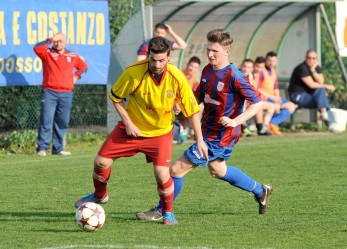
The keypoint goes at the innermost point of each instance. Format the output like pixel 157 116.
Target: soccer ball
pixel 90 216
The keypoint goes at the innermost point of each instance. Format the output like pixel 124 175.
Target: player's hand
pixel 203 150
pixel 132 130
pixel 277 108
pixel 168 28
pixel 227 122
pixel 330 87
pixel 314 65
pixel 176 109
pixel 75 78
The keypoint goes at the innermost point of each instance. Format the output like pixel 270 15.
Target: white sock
pixel 324 116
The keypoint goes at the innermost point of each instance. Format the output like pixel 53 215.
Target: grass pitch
pixel 307 210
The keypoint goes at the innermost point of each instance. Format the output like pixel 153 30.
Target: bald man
pixel 61 69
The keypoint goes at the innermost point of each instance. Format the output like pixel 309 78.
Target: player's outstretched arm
pixel 196 125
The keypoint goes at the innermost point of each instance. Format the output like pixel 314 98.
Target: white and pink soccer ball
pixel 90 216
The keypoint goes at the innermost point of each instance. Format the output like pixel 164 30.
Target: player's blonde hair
pixel 220 36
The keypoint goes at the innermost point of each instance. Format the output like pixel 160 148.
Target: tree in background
pixel 120 11
pixel 332 70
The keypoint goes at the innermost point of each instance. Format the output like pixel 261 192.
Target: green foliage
pixel 24 142
pixel 120 11
pixel 338 98
pixel 85 137
pixel 21 107
pixel 307 210
pixel 89 106
pixel 332 71
pixel 15 112
pixel 18 141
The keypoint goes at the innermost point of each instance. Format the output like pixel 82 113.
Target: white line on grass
pixel 123 246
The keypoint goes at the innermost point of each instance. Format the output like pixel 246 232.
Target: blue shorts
pixel 215 151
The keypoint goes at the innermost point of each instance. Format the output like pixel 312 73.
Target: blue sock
pixel 178 184
pixel 237 178
pixel 279 118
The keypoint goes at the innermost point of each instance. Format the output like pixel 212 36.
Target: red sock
pixel 166 193
pixel 100 179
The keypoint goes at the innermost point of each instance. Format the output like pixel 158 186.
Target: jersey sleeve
pixel 122 88
pixel 247 90
pixel 186 98
pixel 41 48
pixel 81 67
pixel 143 49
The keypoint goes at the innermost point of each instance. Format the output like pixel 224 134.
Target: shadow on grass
pixel 76 230
pixel 40 216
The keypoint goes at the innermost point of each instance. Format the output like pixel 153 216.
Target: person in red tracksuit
pixel 61 69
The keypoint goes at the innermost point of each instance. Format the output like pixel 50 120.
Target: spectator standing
pixel 61 69
pixel 307 88
pixel 162 29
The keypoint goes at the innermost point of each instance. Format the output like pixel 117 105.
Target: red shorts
pixel 158 150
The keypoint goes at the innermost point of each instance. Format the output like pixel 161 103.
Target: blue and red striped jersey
pixel 223 93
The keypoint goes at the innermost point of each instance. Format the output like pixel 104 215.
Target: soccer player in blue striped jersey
pixel 221 95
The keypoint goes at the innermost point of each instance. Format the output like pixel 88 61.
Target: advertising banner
pixel 341 27
pixel 25 23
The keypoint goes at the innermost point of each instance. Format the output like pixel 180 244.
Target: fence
pixel 20 107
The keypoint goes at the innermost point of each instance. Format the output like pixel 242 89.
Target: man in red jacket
pixel 61 69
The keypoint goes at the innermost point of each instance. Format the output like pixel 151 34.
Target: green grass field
pixel 307 210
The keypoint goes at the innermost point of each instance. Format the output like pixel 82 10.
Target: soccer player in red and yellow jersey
pixel 222 92
pixel 268 87
pixel 147 121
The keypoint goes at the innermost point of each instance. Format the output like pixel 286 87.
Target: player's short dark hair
pixel 194 59
pixel 159 45
pixel 220 36
pixel 310 51
pixel 160 25
pixel 271 54
pixel 260 60
pixel 248 60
